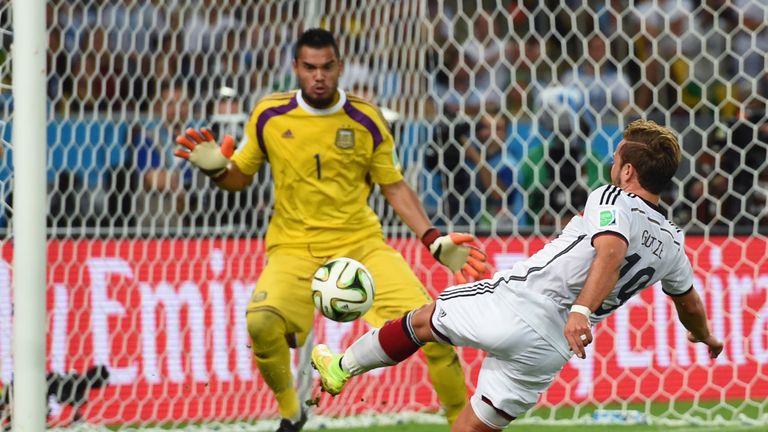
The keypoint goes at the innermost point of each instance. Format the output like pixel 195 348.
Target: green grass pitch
pixel 537 428
pixel 658 410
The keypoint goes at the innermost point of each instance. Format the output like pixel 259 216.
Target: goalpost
pixel 149 268
pixel 29 207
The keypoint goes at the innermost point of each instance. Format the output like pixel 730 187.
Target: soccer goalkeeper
pixel 326 148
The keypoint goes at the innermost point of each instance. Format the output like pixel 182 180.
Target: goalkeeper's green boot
pixel 328 365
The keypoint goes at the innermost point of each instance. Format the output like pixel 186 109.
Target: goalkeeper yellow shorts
pixel 284 286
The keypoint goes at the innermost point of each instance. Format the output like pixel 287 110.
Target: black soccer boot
pixel 289 426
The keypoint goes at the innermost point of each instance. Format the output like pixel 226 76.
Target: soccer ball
pixel 342 289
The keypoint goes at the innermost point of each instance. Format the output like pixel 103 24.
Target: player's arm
pixel 202 151
pixel 233 179
pixel 406 203
pixel 451 250
pixel 691 313
pixel 610 249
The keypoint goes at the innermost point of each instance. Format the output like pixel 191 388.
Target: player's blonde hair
pixel 653 151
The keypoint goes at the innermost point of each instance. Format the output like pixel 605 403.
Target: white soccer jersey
pixel 519 315
pixel 542 288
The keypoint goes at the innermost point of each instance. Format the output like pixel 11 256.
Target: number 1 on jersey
pixel 317 162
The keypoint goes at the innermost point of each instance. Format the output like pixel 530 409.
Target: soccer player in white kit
pixel 532 318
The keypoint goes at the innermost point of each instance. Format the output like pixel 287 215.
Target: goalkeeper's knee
pixel 267 330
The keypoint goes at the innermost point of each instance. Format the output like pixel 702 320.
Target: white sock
pixel 365 354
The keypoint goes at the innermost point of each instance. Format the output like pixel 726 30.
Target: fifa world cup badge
pixel 345 138
pixel 608 218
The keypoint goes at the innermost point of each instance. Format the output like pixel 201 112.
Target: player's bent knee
pixel 266 328
pixel 488 414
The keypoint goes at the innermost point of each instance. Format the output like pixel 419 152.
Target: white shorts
pixel 520 364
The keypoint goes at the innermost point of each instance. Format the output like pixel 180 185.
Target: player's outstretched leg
pixel 328 365
pixel 387 346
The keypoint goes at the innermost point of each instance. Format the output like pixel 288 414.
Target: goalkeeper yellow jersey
pixel 324 163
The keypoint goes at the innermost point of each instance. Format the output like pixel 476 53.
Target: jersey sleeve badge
pixel 608 217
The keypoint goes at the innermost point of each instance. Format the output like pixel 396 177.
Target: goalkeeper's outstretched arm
pixel 202 151
pixel 453 250
pixel 406 204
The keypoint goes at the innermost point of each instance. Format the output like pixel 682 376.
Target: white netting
pixel 5 98
pixel 509 112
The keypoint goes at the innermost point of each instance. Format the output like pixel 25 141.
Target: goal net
pixel 506 114
pixel 5 96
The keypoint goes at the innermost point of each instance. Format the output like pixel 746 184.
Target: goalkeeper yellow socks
pixel 447 377
pixel 288 404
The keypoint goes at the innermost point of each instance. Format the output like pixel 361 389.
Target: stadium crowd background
pixel 509 111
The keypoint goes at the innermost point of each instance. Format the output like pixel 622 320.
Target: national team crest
pixel 345 138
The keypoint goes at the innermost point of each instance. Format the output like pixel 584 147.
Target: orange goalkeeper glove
pixel 452 251
pixel 204 153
